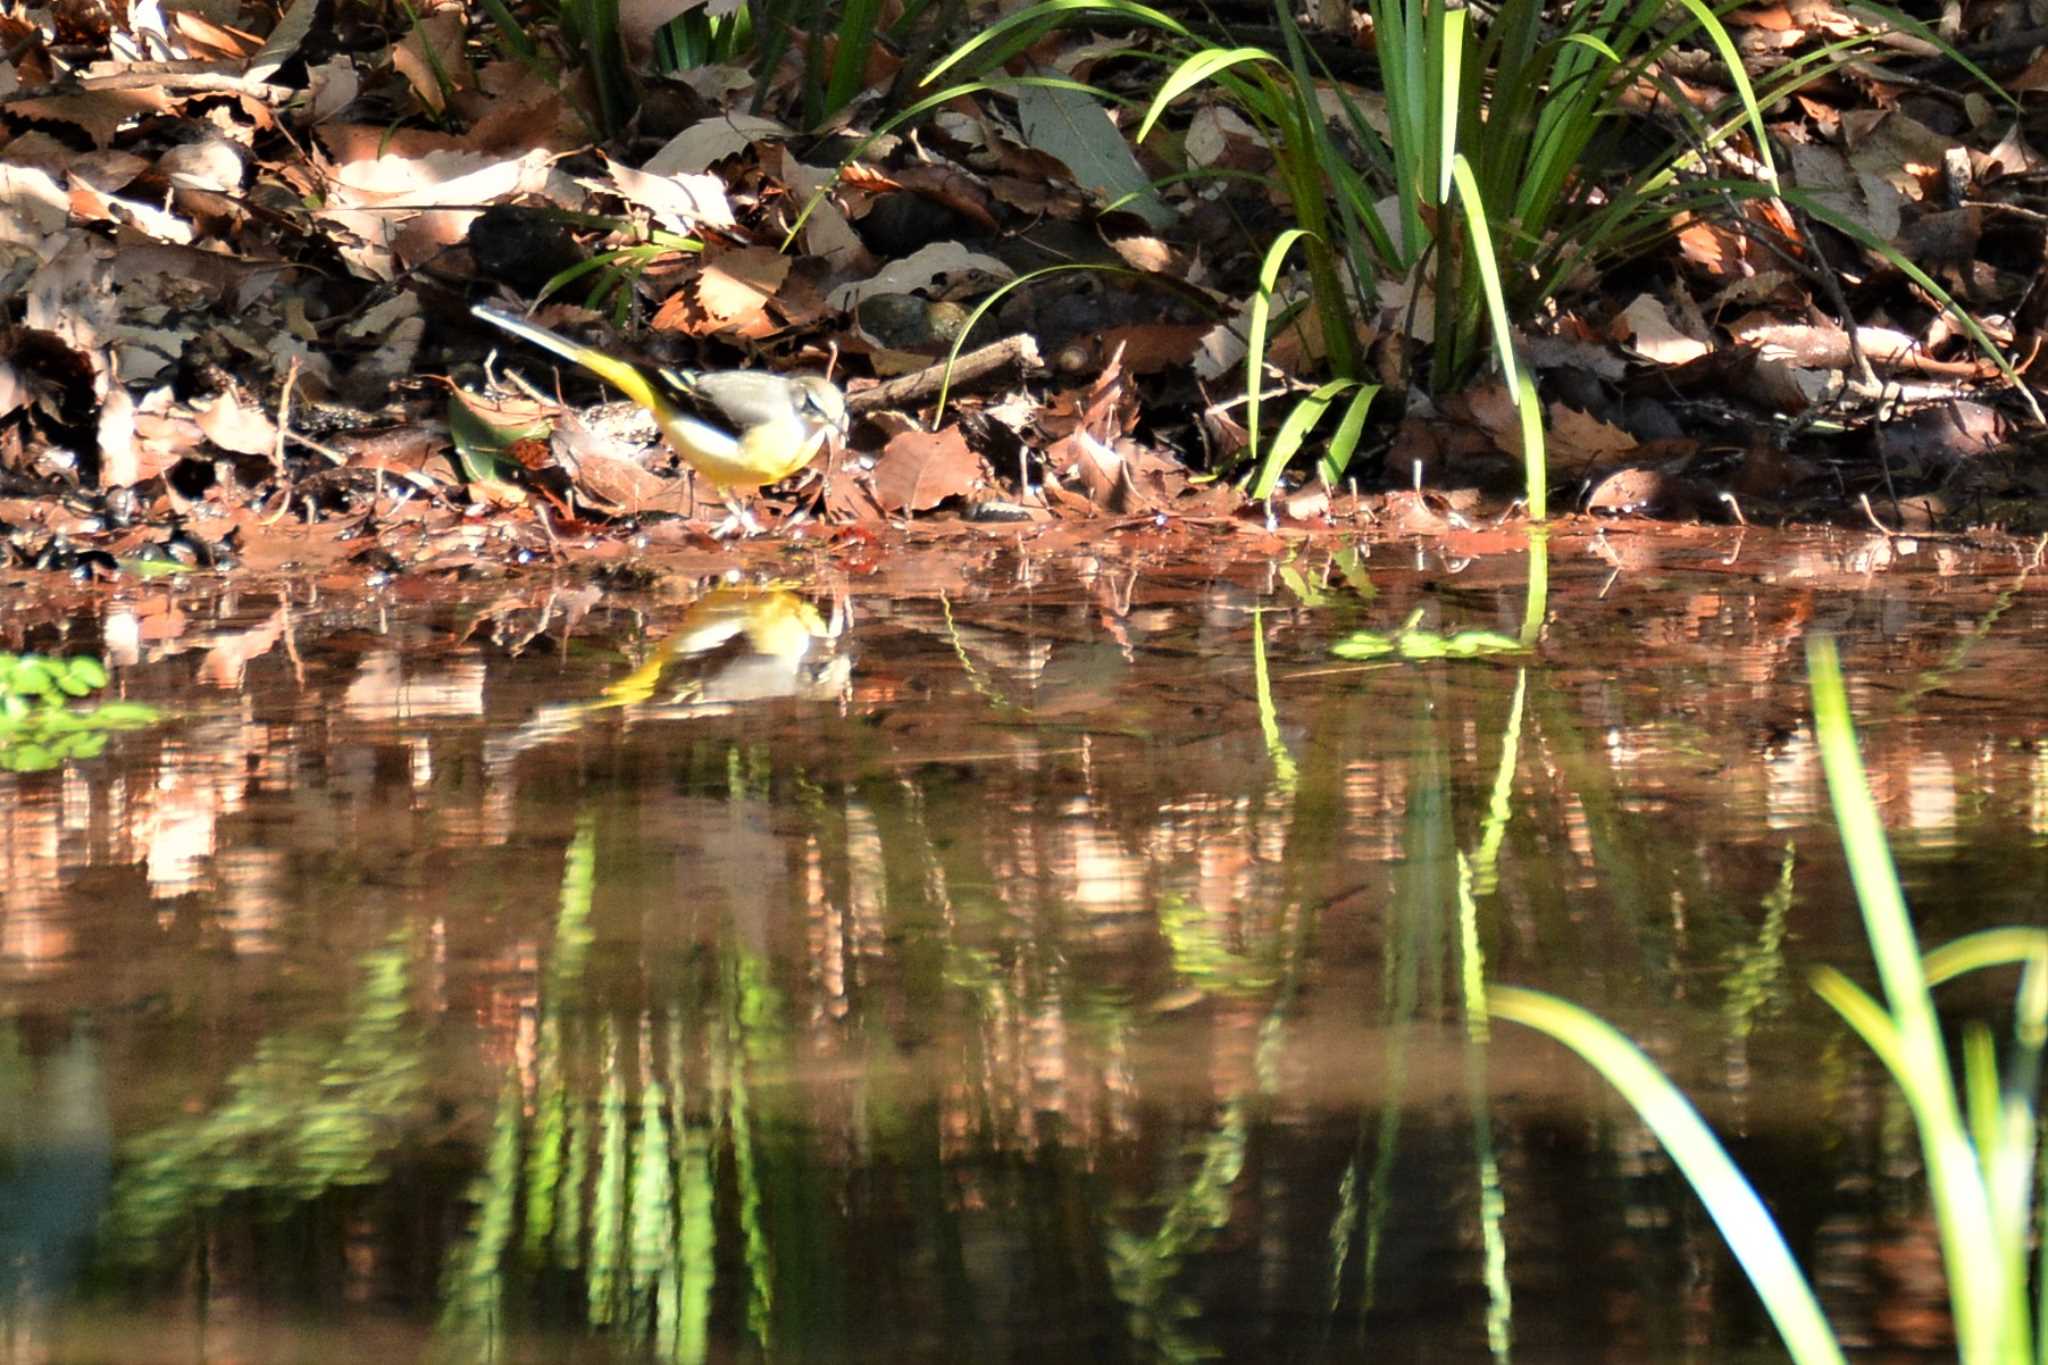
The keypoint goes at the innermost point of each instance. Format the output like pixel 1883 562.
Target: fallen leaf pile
pixel 240 247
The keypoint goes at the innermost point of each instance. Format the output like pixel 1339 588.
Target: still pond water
pixel 1006 957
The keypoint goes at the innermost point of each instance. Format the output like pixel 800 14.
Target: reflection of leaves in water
pixel 621 1190
pixel 651 1227
pixel 1756 987
pixel 1142 1269
pixel 1207 959
pixel 752 1027
pixel 1412 642
pixel 697 1247
pixel 39 729
pixel 304 1115
pixel 472 1283
pixel 605 1285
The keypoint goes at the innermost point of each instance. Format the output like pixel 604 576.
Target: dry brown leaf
pixel 520 112
pixel 1108 410
pixel 680 203
pixel 1067 502
pixel 1218 138
pixel 2013 155
pixel 1037 196
pixel 709 141
pixel 1636 491
pixel 1298 348
pixel 231 426
pixel 1153 255
pixel 204 39
pixel 383 200
pixel 938 271
pixel 848 495
pixel 1898 148
pixel 100 113
pixel 1646 328
pixel 1079 457
pixel 826 234
pixel 918 470
pixel 1821 16
pixel 1864 198
pixel 1716 251
pixel 430 57
pixel 1414 513
pixel 33 201
pixel 2034 77
pixel 1307 504
pixel 1823 345
pixel 108 172
pixel 950 185
pixel 1492 407
pixel 735 286
pixel 1580 444
pixel 1774 17
pixel 1154 348
pixel 613 484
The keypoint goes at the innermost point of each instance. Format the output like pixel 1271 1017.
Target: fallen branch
pixel 1019 351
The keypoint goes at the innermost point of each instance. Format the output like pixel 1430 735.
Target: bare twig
pixel 1018 352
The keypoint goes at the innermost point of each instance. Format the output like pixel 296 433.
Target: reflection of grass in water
pixel 1142 1269
pixel 1980 1152
pixel 306 1114
pixel 1478 875
pixel 1414 960
pixel 623 1190
pixel 472 1288
pixel 1205 957
pixel 1755 985
pixel 1958 653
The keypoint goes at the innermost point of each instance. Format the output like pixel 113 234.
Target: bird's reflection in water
pixel 788 650
pixel 734 647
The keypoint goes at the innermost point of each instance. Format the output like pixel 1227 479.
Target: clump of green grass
pixel 1500 151
pixel 1979 1143
pixel 1486 128
pixel 568 36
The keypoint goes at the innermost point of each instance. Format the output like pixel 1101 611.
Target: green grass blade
pixel 1005 38
pixel 1344 442
pixel 517 41
pixel 1983 1297
pixel 1450 75
pixel 857 24
pixel 1738 76
pixel 2006 947
pixel 1536 605
pixel 1287 440
pixel 1255 332
pixel 1535 453
pixel 1862 1013
pixel 1201 67
pixel 1730 1201
pixel 1484 868
pixel 1480 235
pixel 1286 773
pixel 1870 860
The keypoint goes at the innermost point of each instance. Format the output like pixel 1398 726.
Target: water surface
pixel 1012 955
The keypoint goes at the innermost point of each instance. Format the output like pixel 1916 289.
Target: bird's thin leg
pixel 738 518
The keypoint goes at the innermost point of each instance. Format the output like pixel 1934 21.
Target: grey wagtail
pixel 772 425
